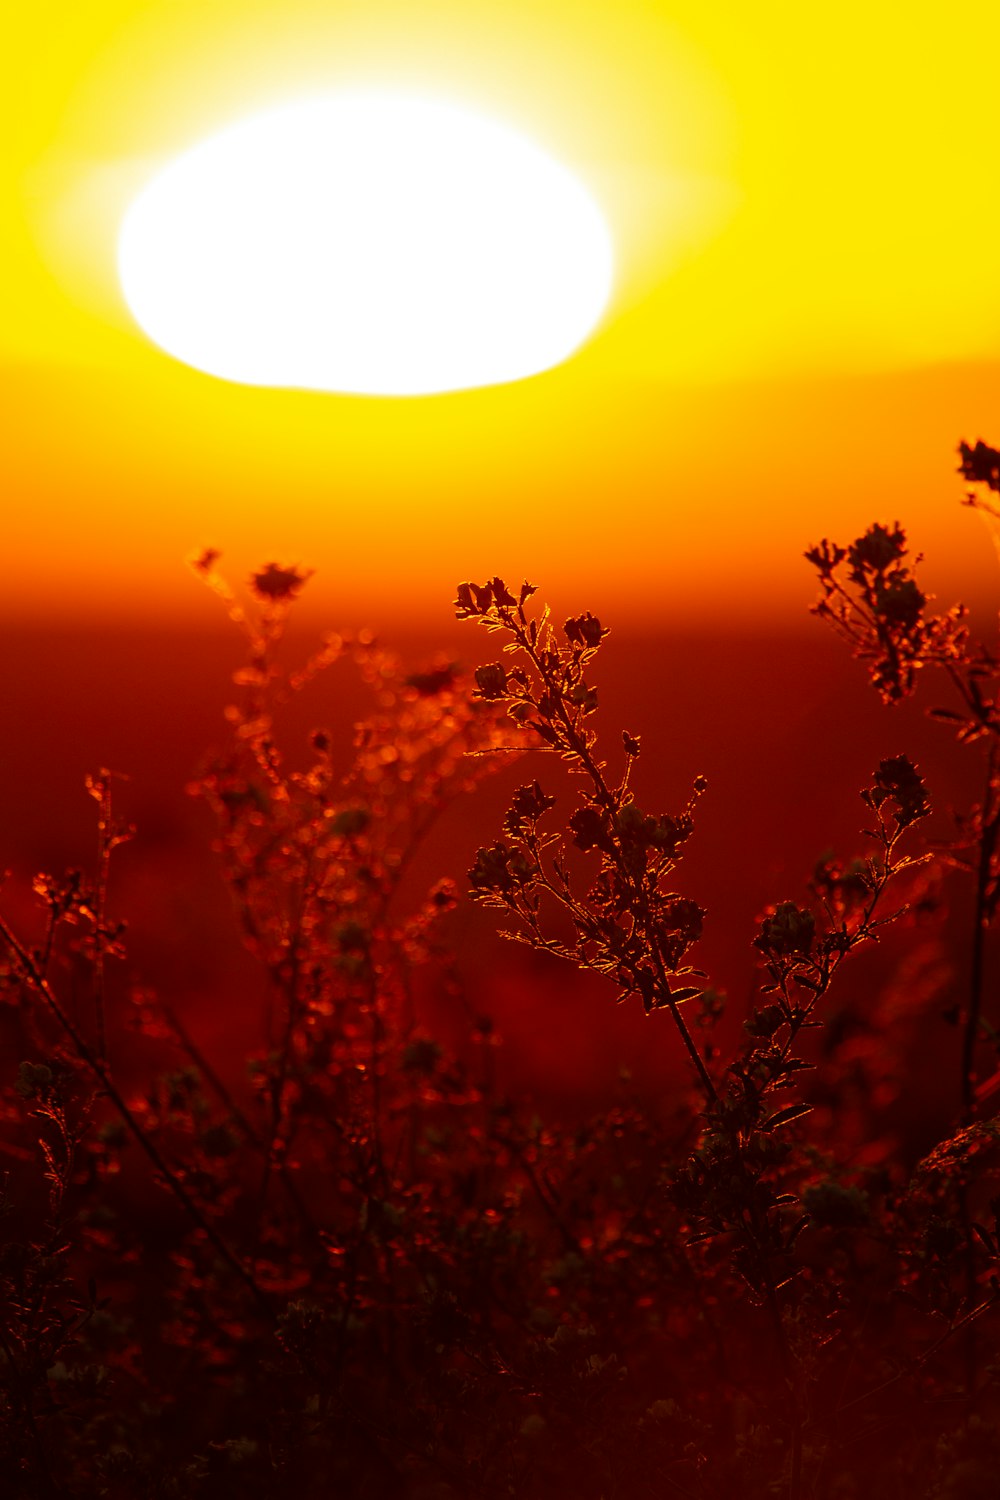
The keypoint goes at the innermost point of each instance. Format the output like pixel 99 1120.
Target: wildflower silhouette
pixel 630 925
pixel 368 1267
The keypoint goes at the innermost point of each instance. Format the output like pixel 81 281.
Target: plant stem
pixel 988 829
pixel 104 847
pixel 918 1364
pixel 23 1397
pixel 788 1370
pixel 580 748
pixel 97 1066
pixel 212 1078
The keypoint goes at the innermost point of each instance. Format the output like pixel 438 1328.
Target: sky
pixel 806 316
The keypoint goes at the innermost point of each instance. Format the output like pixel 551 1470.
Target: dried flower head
pixel 274 584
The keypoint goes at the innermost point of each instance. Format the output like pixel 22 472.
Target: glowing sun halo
pixel 366 243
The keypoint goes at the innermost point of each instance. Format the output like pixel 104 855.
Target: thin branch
pixel 989 825
pixel 96 1065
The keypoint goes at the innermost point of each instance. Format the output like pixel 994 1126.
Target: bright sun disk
pixel 370 244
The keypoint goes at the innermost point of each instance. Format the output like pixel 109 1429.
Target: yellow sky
pixel 807 315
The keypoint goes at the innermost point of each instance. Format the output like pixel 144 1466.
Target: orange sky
pixel 806 318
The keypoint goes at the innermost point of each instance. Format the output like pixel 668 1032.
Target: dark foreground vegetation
pixel 369 1269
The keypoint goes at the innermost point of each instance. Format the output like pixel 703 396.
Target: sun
pixel 367 243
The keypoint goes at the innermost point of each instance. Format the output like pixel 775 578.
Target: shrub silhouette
pixel 372 1271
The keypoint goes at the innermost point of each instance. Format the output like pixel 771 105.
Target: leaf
pixel 786 1116
pixel 795 1231
pixel 815 985
pixel 987 1238
pixel 948 714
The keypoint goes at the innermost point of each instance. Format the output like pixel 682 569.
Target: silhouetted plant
pixel 368 1269
pixel 629 926
pixel 871 598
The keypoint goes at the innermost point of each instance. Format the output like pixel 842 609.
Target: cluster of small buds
pixel 274 584
pixel 898 781
pixel 498 873
pixel 585 631
pixel 491 680
pixel 980 464
pixel 788 930
pixel 881 610
pixel 474 600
